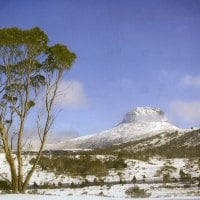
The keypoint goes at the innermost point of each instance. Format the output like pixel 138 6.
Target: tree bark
pixel 28 177
pixel 9 158
pixel 19 156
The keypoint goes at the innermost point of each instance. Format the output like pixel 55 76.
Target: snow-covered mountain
pixel 145 114
pixel 136 124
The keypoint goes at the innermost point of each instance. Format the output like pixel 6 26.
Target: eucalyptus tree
pixel 28 67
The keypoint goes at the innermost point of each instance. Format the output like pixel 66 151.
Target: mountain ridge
pixel 136 124
pixel 171 145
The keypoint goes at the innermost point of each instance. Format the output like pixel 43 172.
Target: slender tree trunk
pixel 9 158
pixel 19 156
pixel 28 177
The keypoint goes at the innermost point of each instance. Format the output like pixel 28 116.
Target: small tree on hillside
pixel 28 68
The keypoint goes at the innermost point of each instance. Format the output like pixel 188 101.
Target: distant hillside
pixel 170 145
pixel 139 123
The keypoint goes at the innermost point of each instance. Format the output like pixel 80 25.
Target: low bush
pixel 136 192
pixel 82 166
pixel 4 185
pixel 187 186
pixel 166 178
pixel 33 191
pixel 184 176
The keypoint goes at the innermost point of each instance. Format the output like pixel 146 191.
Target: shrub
pixel 166 178
pixel 95 180
pixel 101 193
pixel 60 184
pixel 35 185
pixel 119 164
pixel 72 185
pixel 184 176
pixel 187 186
pixel 136 192
pixel 33 191
pixel 168 169
pixel 81 166
pixel 134 179
pixel 4 185
pixel 48 186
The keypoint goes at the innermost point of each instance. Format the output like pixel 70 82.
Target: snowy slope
pixel 138 123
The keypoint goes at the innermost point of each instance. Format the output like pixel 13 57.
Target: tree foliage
pixel 28 67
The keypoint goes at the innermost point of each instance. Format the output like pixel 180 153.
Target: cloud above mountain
pixel 71 94
pixel 189 111
pixel 190 81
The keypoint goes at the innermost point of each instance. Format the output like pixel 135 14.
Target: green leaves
pixel 27 63
pixel 59 57
pixel 28 49
pixel 30 104
pixel 37 81
pixel 10 98
pixel 11 36
pixel 22 48
pixel 36 41
pixel 15 37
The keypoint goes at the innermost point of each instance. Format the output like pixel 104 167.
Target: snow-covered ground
pixel 119 191
pixel 43 197
pixel 146 173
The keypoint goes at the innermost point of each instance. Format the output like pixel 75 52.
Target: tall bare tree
pixel 28 67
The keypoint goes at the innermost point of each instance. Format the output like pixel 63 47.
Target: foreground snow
pixel 152 170
pixel 85 197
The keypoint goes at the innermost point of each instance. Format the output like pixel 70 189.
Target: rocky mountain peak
pixel 145 114
pixel 139 123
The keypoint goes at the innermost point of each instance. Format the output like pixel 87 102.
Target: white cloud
pixel 192 81
pixel 59 136
pixel 71 94
pixel 188 111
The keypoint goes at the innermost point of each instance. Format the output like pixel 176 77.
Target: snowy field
pixel 151 170
pixel 44 197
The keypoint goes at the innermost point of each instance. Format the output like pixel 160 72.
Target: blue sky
pixel 129 53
